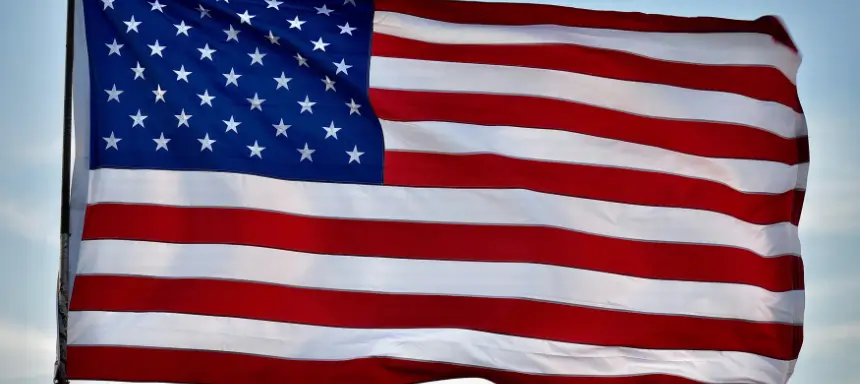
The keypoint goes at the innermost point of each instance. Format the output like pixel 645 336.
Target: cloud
pixel 49 153
pixel 840 288
pixel 830 340
pixel 832 207
pixel 848 332
pixel 25 352
pixel 27 221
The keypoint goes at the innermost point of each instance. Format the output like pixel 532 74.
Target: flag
pixel 327 191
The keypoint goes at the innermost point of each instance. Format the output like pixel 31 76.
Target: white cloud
pixel 45 154
pixel 832 339
pixel 849 332
pixel 25 352
pixel 27 221
pixel 841 288
pixel 832 207
pixel 33 147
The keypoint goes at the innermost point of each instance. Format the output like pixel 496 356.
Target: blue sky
pixel 31 74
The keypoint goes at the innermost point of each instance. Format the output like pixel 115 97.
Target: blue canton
pixel 264 87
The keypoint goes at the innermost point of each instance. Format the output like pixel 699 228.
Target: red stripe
pixel 587 181
pixel 797 207
pixel 758 82
pixel 559 322
pixel 444 242
pixel 706 139
pixel 186 366
pixel 526 14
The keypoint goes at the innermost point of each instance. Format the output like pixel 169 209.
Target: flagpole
pixel 63 278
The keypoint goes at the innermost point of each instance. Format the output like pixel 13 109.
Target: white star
pixel 159 94
pixel 112 141
pixel 256 150
pixel 346 29
pixel 329 84
pixel 232 125
pixel 182 74
pixel 283 81
pixel 345 2
pixel 323 10
pixel 354 155
pixel 331 131
pixel 132 25
pixel 183 119
pixel 232 77
pixel 203 11
pixel 138 119
pixel 114 48
pixel 206 143
pixel 161 142
pixel 307 105
pixel 353 107
pixel 302 60
pixel 138 71
pixel 205 98
pixel 257 57
pixel 296 23
pixel 306 153
pixel 342 67
pixel 245 17
pixel 232 34
pixel 156 6
pixel 113 94
pixel 182 28
pixel 320 44
pixel 282 128
pixel 156 49
pixel 273 4
pixel 272 38
pixel 256 102
pixel 206 52
pixel 108 4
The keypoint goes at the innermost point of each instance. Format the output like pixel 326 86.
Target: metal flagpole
pixel 63 278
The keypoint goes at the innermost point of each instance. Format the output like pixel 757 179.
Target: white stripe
pixel 568 147
pixel 438 277
pixel 463 347
pixel 441 205
pixel 731 48
pixel 114 382
pixel 647 99
pixel 802 175
pixel 81 129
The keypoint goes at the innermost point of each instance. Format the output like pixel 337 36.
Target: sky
pixel 32 37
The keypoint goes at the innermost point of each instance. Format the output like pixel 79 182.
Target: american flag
pixel 398 191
